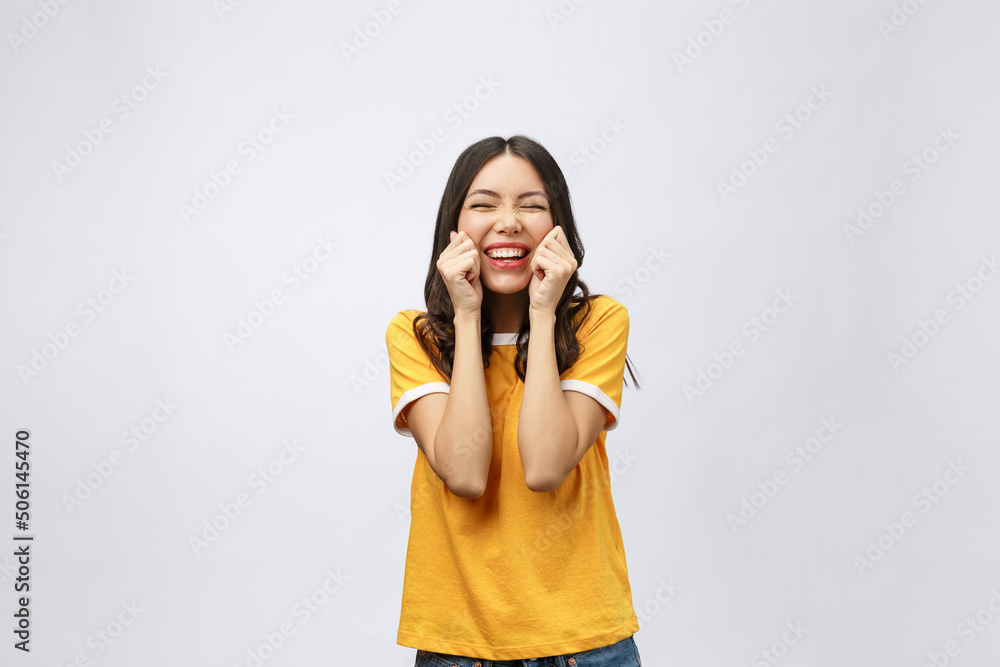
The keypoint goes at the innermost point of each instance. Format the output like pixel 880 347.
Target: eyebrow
pixel 524 195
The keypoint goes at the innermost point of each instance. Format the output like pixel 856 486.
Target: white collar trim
pixel 505 339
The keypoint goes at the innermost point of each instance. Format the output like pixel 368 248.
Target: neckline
pixel 505 339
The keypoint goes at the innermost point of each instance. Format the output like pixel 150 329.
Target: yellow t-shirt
pixel 515 573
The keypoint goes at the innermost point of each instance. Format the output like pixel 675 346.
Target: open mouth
pixel 507 258
pixel 507 254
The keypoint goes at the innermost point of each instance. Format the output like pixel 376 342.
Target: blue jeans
pixel 620 654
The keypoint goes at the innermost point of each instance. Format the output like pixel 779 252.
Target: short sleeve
pixel 411 372
pixel 599 371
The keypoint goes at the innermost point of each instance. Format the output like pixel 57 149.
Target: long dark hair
pixel 435 329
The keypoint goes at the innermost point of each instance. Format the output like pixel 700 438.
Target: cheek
pixel 467 225
pixel 464 226
pixel 540 229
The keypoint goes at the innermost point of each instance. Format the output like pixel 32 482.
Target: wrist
pixel 542 317
pixel 467 321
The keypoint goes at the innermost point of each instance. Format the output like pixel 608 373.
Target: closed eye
pixel 534 206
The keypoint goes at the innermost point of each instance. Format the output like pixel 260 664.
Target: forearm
pixel 546 431
pixel 463 444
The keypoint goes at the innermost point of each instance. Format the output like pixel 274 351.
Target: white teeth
pixel 500 253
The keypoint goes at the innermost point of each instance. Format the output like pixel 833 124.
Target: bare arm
pixel 455 430
pixel 555 428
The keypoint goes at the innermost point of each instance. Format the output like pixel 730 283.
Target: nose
pixel 508 219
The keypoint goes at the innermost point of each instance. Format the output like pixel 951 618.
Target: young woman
pixel 509 383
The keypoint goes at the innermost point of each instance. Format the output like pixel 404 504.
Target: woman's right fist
pixel 458 265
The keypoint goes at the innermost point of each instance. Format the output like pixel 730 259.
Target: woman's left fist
pixel 552 265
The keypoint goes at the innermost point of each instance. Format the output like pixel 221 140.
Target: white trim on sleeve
pixel 412 395
pixel 595 393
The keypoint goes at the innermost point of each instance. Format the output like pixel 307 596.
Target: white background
pixel 662 134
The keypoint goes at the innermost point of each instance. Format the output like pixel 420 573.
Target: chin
pixel 507 287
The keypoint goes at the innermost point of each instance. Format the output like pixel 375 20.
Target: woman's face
pixel 506 206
